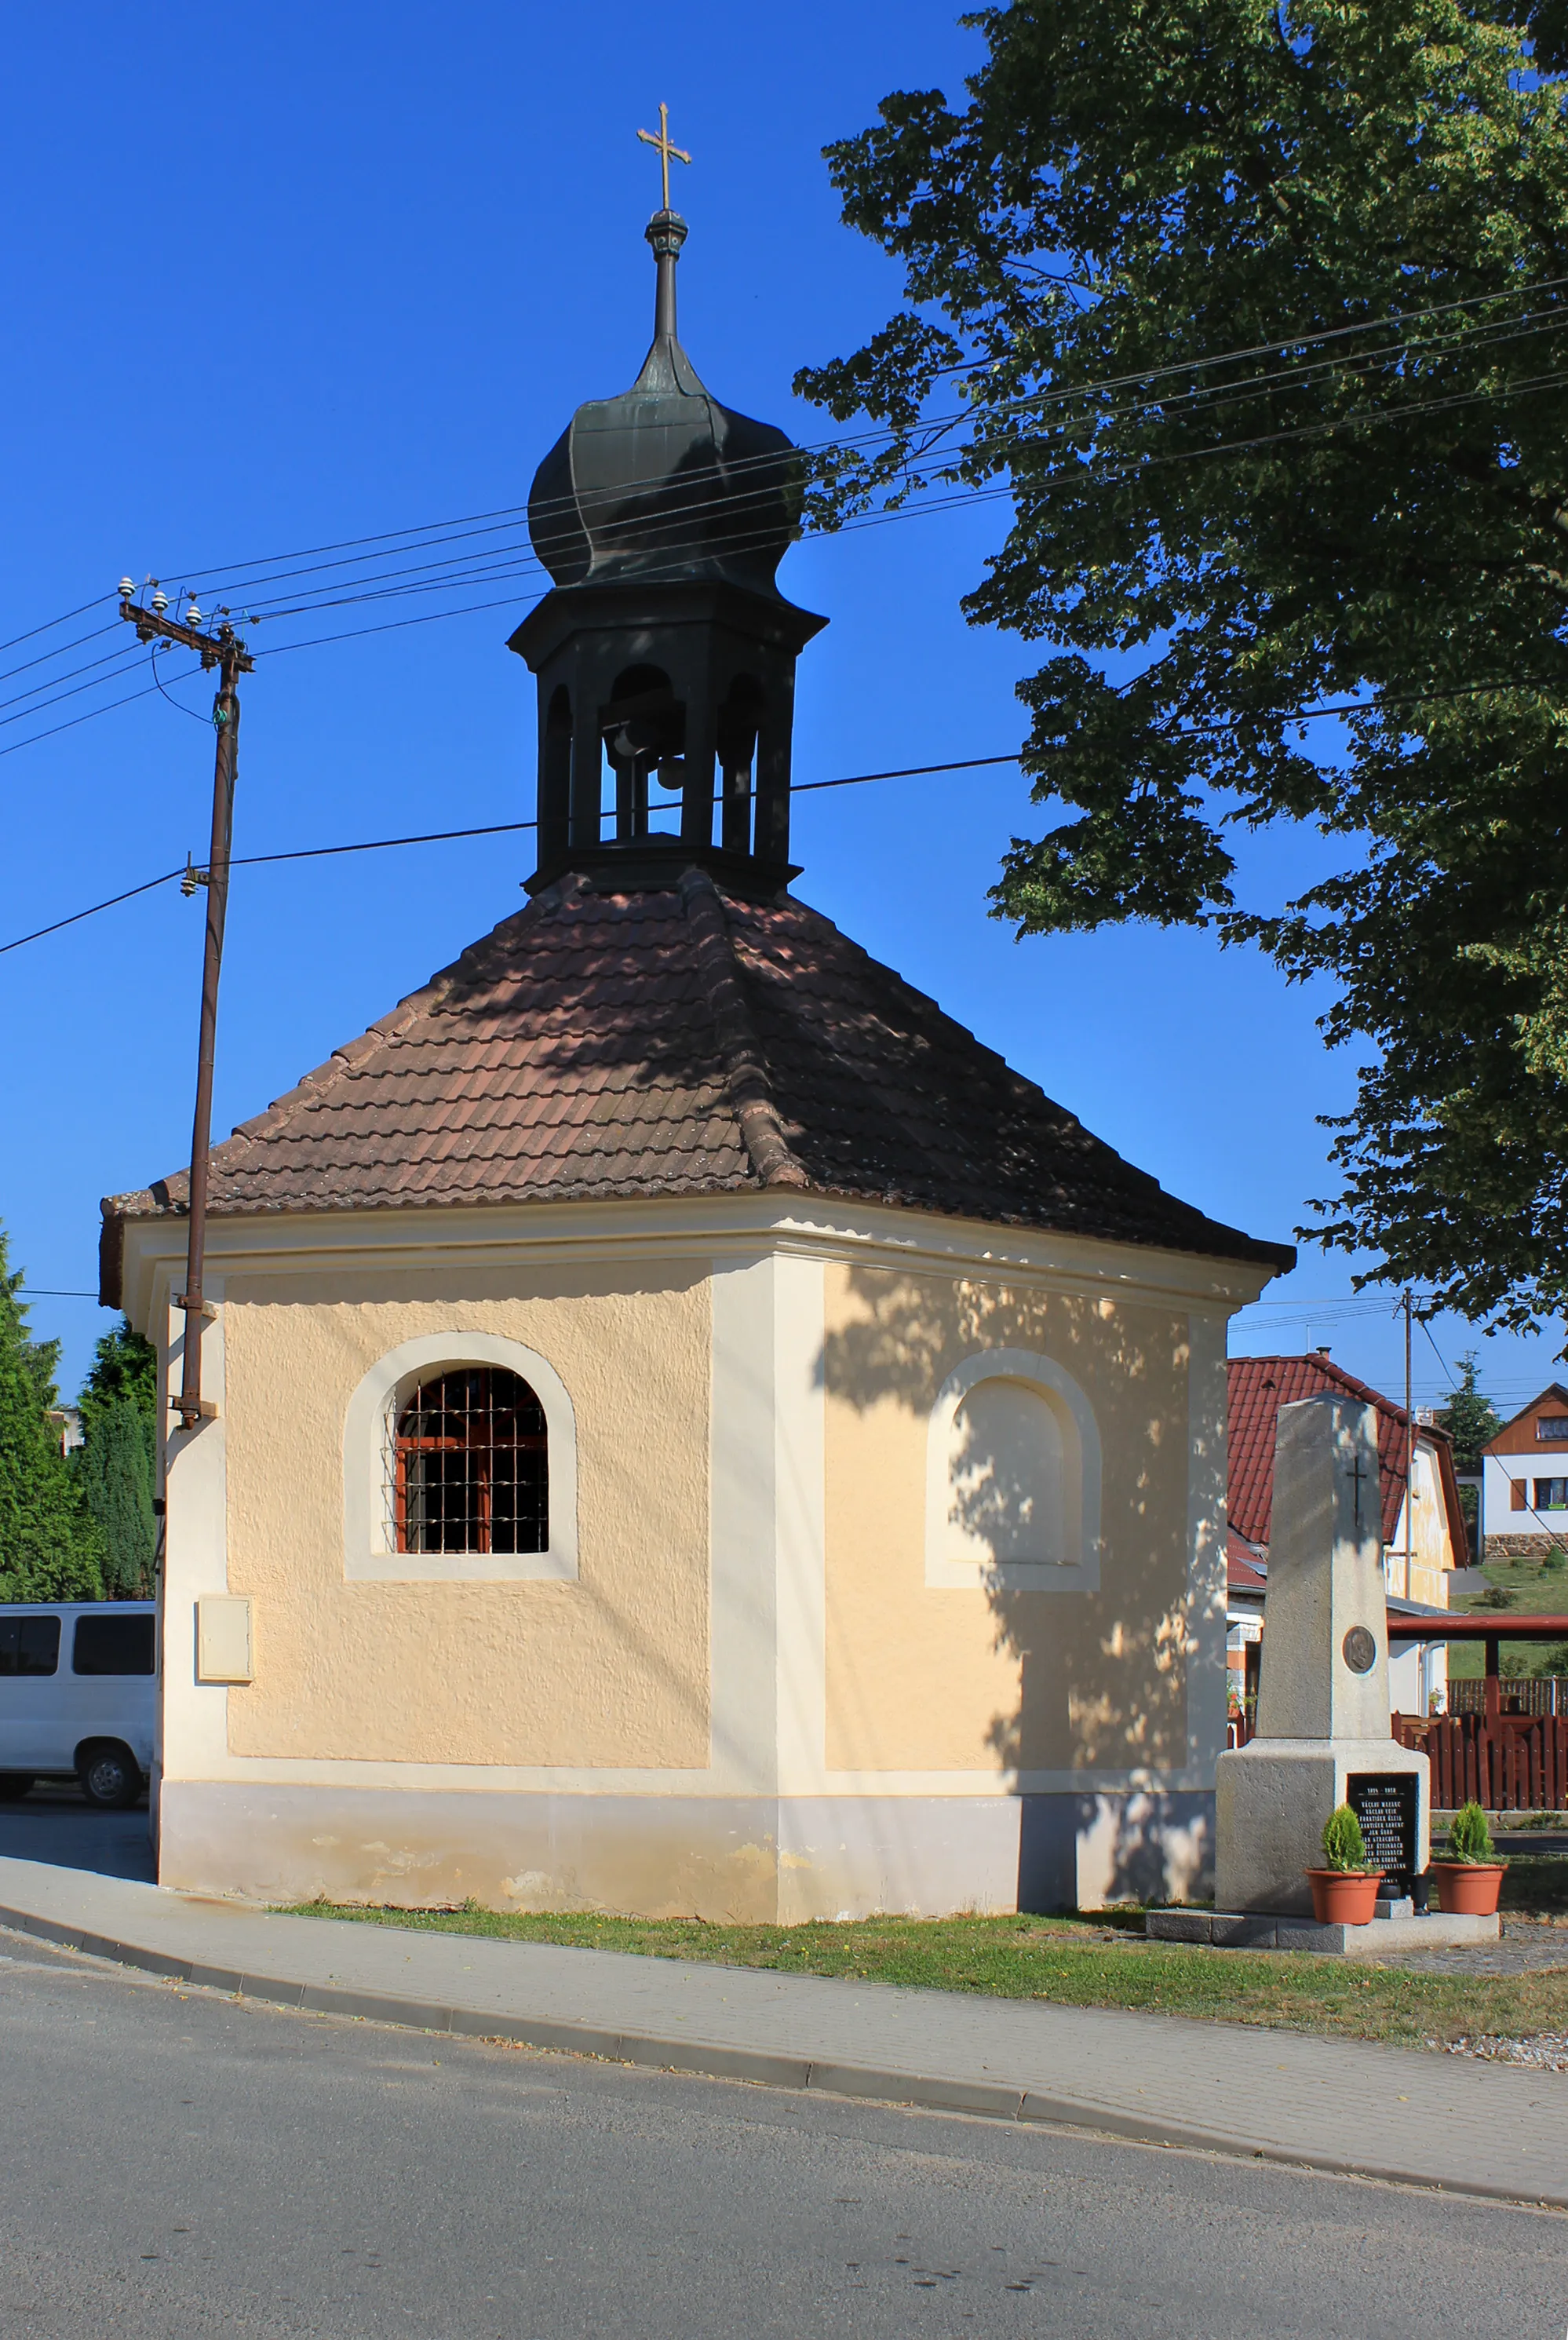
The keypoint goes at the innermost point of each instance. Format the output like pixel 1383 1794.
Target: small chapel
pixel 691 1431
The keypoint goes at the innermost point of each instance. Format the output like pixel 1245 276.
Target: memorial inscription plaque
pixel 1385 1804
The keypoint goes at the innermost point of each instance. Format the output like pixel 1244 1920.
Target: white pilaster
pixel 1208 1407
pixel 194 1716
pixel 743 1587
pixel 800 1502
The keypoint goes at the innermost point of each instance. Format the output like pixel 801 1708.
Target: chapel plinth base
pixel 1384 1937
pixel 730 1860
pixel 1271 1800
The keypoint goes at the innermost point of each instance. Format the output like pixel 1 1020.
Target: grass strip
pixel 1536 1884
pixel 1075 1962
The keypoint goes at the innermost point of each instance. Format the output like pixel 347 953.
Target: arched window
pixel 473 1466
pixel 1012 1487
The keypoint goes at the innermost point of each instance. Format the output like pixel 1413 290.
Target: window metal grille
pixel 473 1465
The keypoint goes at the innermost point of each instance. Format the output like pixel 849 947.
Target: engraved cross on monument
pixel 1323 1734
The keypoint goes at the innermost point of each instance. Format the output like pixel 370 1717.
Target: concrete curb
pixel 992 2100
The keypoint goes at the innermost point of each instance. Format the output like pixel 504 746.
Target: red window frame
pixel 477 1440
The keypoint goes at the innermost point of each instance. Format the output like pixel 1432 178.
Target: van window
pixel 29 1645
pixel 112 1645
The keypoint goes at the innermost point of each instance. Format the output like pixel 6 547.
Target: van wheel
pixel 109 1775
pixel 14 1785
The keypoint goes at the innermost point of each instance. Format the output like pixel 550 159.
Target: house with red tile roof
pixel 1423 1534
pixel 688 1428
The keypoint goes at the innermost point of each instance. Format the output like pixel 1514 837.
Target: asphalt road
pixel 177 2165
pixel 55 1823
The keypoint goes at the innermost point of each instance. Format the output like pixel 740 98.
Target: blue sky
pixel 344 270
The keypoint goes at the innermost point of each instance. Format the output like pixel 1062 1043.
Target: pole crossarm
pixel 213 650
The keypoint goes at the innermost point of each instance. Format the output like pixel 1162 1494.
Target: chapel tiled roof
pixel 1259 1386
pixel 679 1040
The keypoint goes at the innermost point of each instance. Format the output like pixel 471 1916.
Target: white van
pixel 76 1696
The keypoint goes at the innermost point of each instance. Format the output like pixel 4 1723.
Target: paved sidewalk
pixel 1383 2112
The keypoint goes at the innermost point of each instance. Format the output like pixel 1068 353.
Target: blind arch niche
pixel 1012 1479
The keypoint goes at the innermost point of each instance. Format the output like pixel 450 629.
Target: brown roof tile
pixel 681 1041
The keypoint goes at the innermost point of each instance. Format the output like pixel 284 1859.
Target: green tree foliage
pixel 119 1405
pixel 1359 208
pixel 1470 1418
pixel 51 1548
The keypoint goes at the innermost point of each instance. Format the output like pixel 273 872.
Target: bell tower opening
pixel 645 733
pixel 740 719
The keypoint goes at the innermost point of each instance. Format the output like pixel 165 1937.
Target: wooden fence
pixel 1519 1694
pixel 1504 1762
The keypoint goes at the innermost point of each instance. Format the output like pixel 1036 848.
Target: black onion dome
pixel 664 481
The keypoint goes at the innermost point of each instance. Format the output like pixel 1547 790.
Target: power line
pixel 50 623
pixel 527 564
pixel 1308 336
pixel 43 656
pixel 519 562
pixel 451 835
pixel 123 662
pixel 500 561
pixel 431 529
pixel 77 916
pixel 656 528
pixel 1438 1353
pixel 32 738
pixel 446 531
pixel 487 522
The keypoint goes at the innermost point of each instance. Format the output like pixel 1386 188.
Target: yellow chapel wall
pixel 1433 1553
pixel 921 1679
pixel 609 1670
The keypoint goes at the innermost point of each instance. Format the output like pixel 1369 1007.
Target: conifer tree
pixel 119 1461
pixel 1469 1417
pixel 50 1547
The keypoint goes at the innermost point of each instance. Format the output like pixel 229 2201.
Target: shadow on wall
pixel 1102 1675
pixel 1091 1852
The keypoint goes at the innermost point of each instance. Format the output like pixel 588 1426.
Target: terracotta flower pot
pixel 1344 1897
pixel 1468 1888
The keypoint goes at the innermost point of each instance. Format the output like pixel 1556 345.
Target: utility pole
pixel 1409 1449
pixel 225 652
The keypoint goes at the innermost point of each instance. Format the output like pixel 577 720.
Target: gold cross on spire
pixel 665 148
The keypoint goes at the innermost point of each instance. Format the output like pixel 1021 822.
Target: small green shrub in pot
pixel 1470 1839
pixel 1343 1846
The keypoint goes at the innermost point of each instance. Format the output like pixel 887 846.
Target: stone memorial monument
pixel 1323 1736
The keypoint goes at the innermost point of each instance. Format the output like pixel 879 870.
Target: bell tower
pixel 665 651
